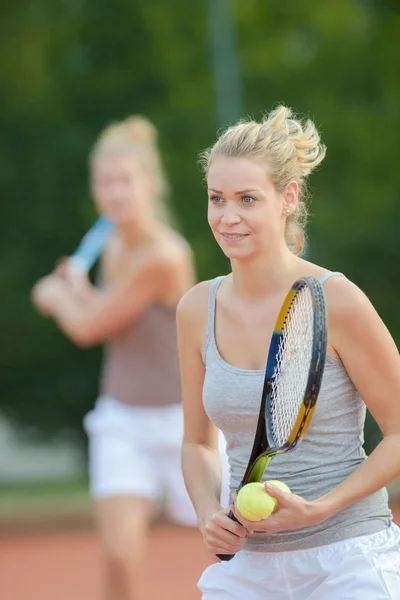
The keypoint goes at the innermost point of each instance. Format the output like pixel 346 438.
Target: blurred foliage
pixel 73 66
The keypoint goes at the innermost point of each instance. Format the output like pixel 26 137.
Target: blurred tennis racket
pixel 91 245
pixel 293 376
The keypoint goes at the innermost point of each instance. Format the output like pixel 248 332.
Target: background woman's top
pixel 141 365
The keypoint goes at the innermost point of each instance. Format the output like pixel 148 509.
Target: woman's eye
pixel 215 199
pixel 248 200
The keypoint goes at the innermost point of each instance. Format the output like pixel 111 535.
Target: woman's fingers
pixel 294 512
pixel 230 545
pixel 229 524
pixel 61 267
pixel 223 535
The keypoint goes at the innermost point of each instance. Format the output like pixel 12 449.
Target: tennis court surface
pixel 64 565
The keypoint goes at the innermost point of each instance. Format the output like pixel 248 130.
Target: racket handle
pixel 226 557
pixel 92 244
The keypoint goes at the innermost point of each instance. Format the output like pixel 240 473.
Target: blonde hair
pixel 290 147
pixel 138 136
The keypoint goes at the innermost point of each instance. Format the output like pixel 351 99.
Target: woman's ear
pixel 291 197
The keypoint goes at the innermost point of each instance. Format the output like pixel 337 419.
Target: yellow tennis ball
pixel 282 486
pixel 254 503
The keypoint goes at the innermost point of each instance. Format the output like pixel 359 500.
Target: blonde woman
pixel 333 537
pixel 135 430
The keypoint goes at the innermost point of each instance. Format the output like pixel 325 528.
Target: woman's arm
pixel 372 361
pixel 200 456
pixel 200 443
pixel 88 315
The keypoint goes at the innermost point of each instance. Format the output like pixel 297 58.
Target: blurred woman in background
pixel 135 429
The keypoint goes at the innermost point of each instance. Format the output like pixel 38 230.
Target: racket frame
pixel 263 451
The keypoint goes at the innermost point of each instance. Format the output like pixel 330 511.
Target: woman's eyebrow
pixel 236 193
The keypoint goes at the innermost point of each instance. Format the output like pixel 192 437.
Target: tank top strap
pixel 330 274
pixel 212 294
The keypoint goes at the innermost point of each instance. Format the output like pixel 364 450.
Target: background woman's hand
pixel 221 534
pixel 62 267
pixel 46 293
pixel 69 271
pixel 294 512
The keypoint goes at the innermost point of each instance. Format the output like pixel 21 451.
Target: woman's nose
pixel 230 216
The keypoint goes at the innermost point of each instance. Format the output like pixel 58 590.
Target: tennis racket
pixel 92 244
pixel 293 376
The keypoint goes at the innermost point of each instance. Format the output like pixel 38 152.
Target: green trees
pixel 72 67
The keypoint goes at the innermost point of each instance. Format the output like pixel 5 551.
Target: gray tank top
pixel 330 452
pixel 141 365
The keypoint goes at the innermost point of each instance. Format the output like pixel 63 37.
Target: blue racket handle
pixel 92 244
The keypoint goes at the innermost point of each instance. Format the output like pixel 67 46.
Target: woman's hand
pixel 294 512
pixel 47 292
pixel 221 534
pixel 69 271
pixel 62 267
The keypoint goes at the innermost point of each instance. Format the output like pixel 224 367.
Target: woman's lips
pixel 232 237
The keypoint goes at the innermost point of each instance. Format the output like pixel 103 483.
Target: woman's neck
pixel 134 235
pixel 257 279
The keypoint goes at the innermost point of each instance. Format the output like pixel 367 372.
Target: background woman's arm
pixel 89 316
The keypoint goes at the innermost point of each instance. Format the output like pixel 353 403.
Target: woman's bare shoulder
pixel 345 298
pixel 173 246
pixel 192 315
pixel 194 303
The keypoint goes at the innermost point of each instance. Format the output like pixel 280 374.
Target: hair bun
pixel 278 119
pixel 303 135
pixel 310 151
pixel 141 129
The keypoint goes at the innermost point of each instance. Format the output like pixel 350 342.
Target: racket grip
pixel 92 244
pixel 227 557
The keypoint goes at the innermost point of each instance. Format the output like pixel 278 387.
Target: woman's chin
pixel 123 219
pixel 236 253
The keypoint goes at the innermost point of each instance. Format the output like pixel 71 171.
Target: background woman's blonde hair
pixel 137 136
pixel 289 146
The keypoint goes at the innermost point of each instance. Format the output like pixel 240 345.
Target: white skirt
pixel 361 568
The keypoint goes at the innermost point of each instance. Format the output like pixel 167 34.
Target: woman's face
pixel 245 212
pixel 121 188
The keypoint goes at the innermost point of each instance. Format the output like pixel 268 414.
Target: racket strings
pixel 291 370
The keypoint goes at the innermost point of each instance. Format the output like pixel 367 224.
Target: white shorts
pixel 362 568
pixel 137 450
